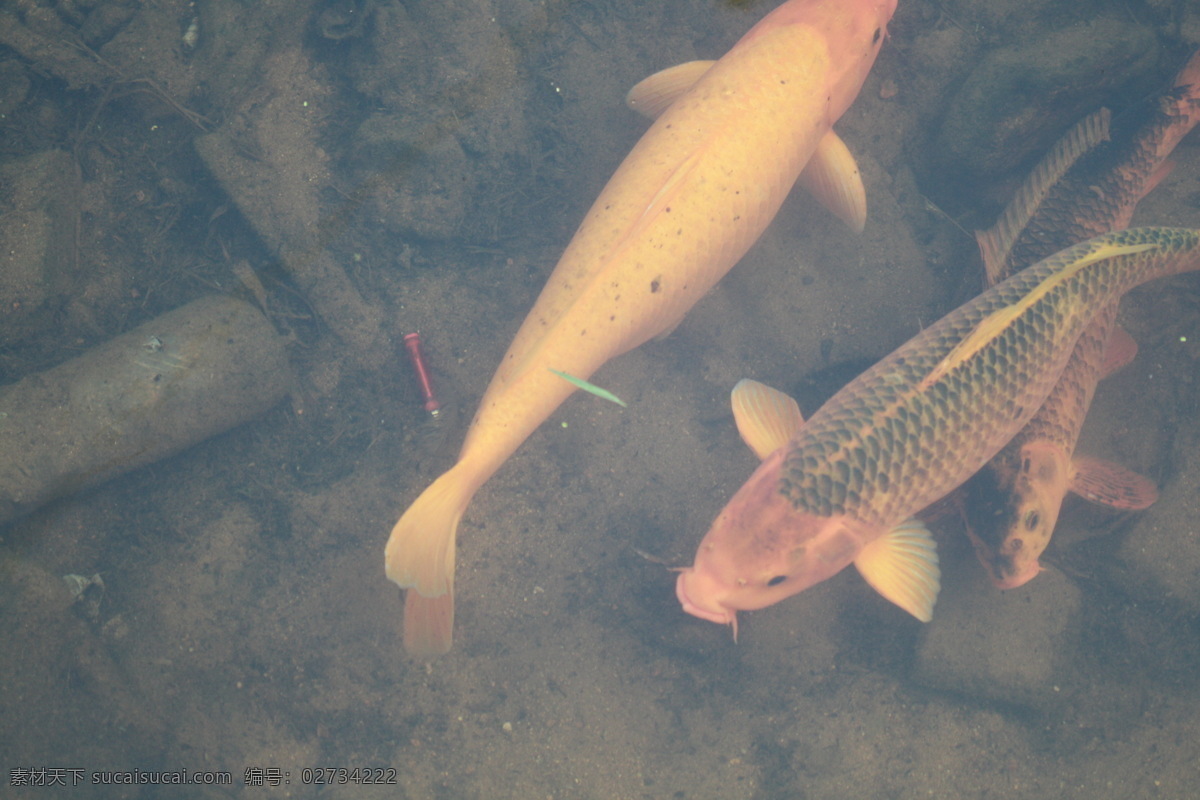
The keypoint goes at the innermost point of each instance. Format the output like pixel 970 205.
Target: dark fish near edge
pixel 1089 184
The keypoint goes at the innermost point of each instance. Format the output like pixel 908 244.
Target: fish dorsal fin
pixel 1111 484
pixel 653 95
pixel 902 565
pixel 998 321
pixel 661 199
pixel 833 178
pixel 996 242
pixel 766 418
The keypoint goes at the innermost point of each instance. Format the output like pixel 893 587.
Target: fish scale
pixel 1107 178
pixel 1089 183
pixel 907 445
pixel 843 490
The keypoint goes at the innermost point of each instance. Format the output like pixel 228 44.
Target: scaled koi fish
pixel 692 196
pixel 1087 185
pixel 909 430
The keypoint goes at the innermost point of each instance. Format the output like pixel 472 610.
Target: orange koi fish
pixel 1088 184
pixel 688 201
pixel 909 430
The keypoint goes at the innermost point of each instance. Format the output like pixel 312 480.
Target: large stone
pixel 1017 100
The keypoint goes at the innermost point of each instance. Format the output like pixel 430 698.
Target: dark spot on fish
pixel 654 286
pixel 778 579
pixel 875 37
pixel 613 318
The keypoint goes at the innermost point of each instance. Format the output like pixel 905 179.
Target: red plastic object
pixel 412 343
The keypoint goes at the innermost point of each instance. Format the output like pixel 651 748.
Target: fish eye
pixel 778 579
pixel 1032 519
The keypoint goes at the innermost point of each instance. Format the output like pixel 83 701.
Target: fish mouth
pixel 722 617
pixel 1016 580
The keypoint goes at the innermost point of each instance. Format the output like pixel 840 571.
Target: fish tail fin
pixel 420 557
pixel 428 623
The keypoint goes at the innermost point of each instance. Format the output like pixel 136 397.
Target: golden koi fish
pixel 688 201
pixel 909 430
pixel 1088 184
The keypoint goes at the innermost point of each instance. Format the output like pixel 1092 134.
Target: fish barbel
pixel 909 430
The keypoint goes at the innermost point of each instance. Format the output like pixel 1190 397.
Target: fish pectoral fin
pixel 1111 484
pixel 766 418
pixel 833 178
pixel 653 95
pixel 1119 351
pixel 902 565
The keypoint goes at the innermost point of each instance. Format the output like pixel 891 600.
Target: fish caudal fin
pixel 420 557
pixel 428 623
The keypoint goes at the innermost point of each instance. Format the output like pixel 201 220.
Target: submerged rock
pixel 1018 99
